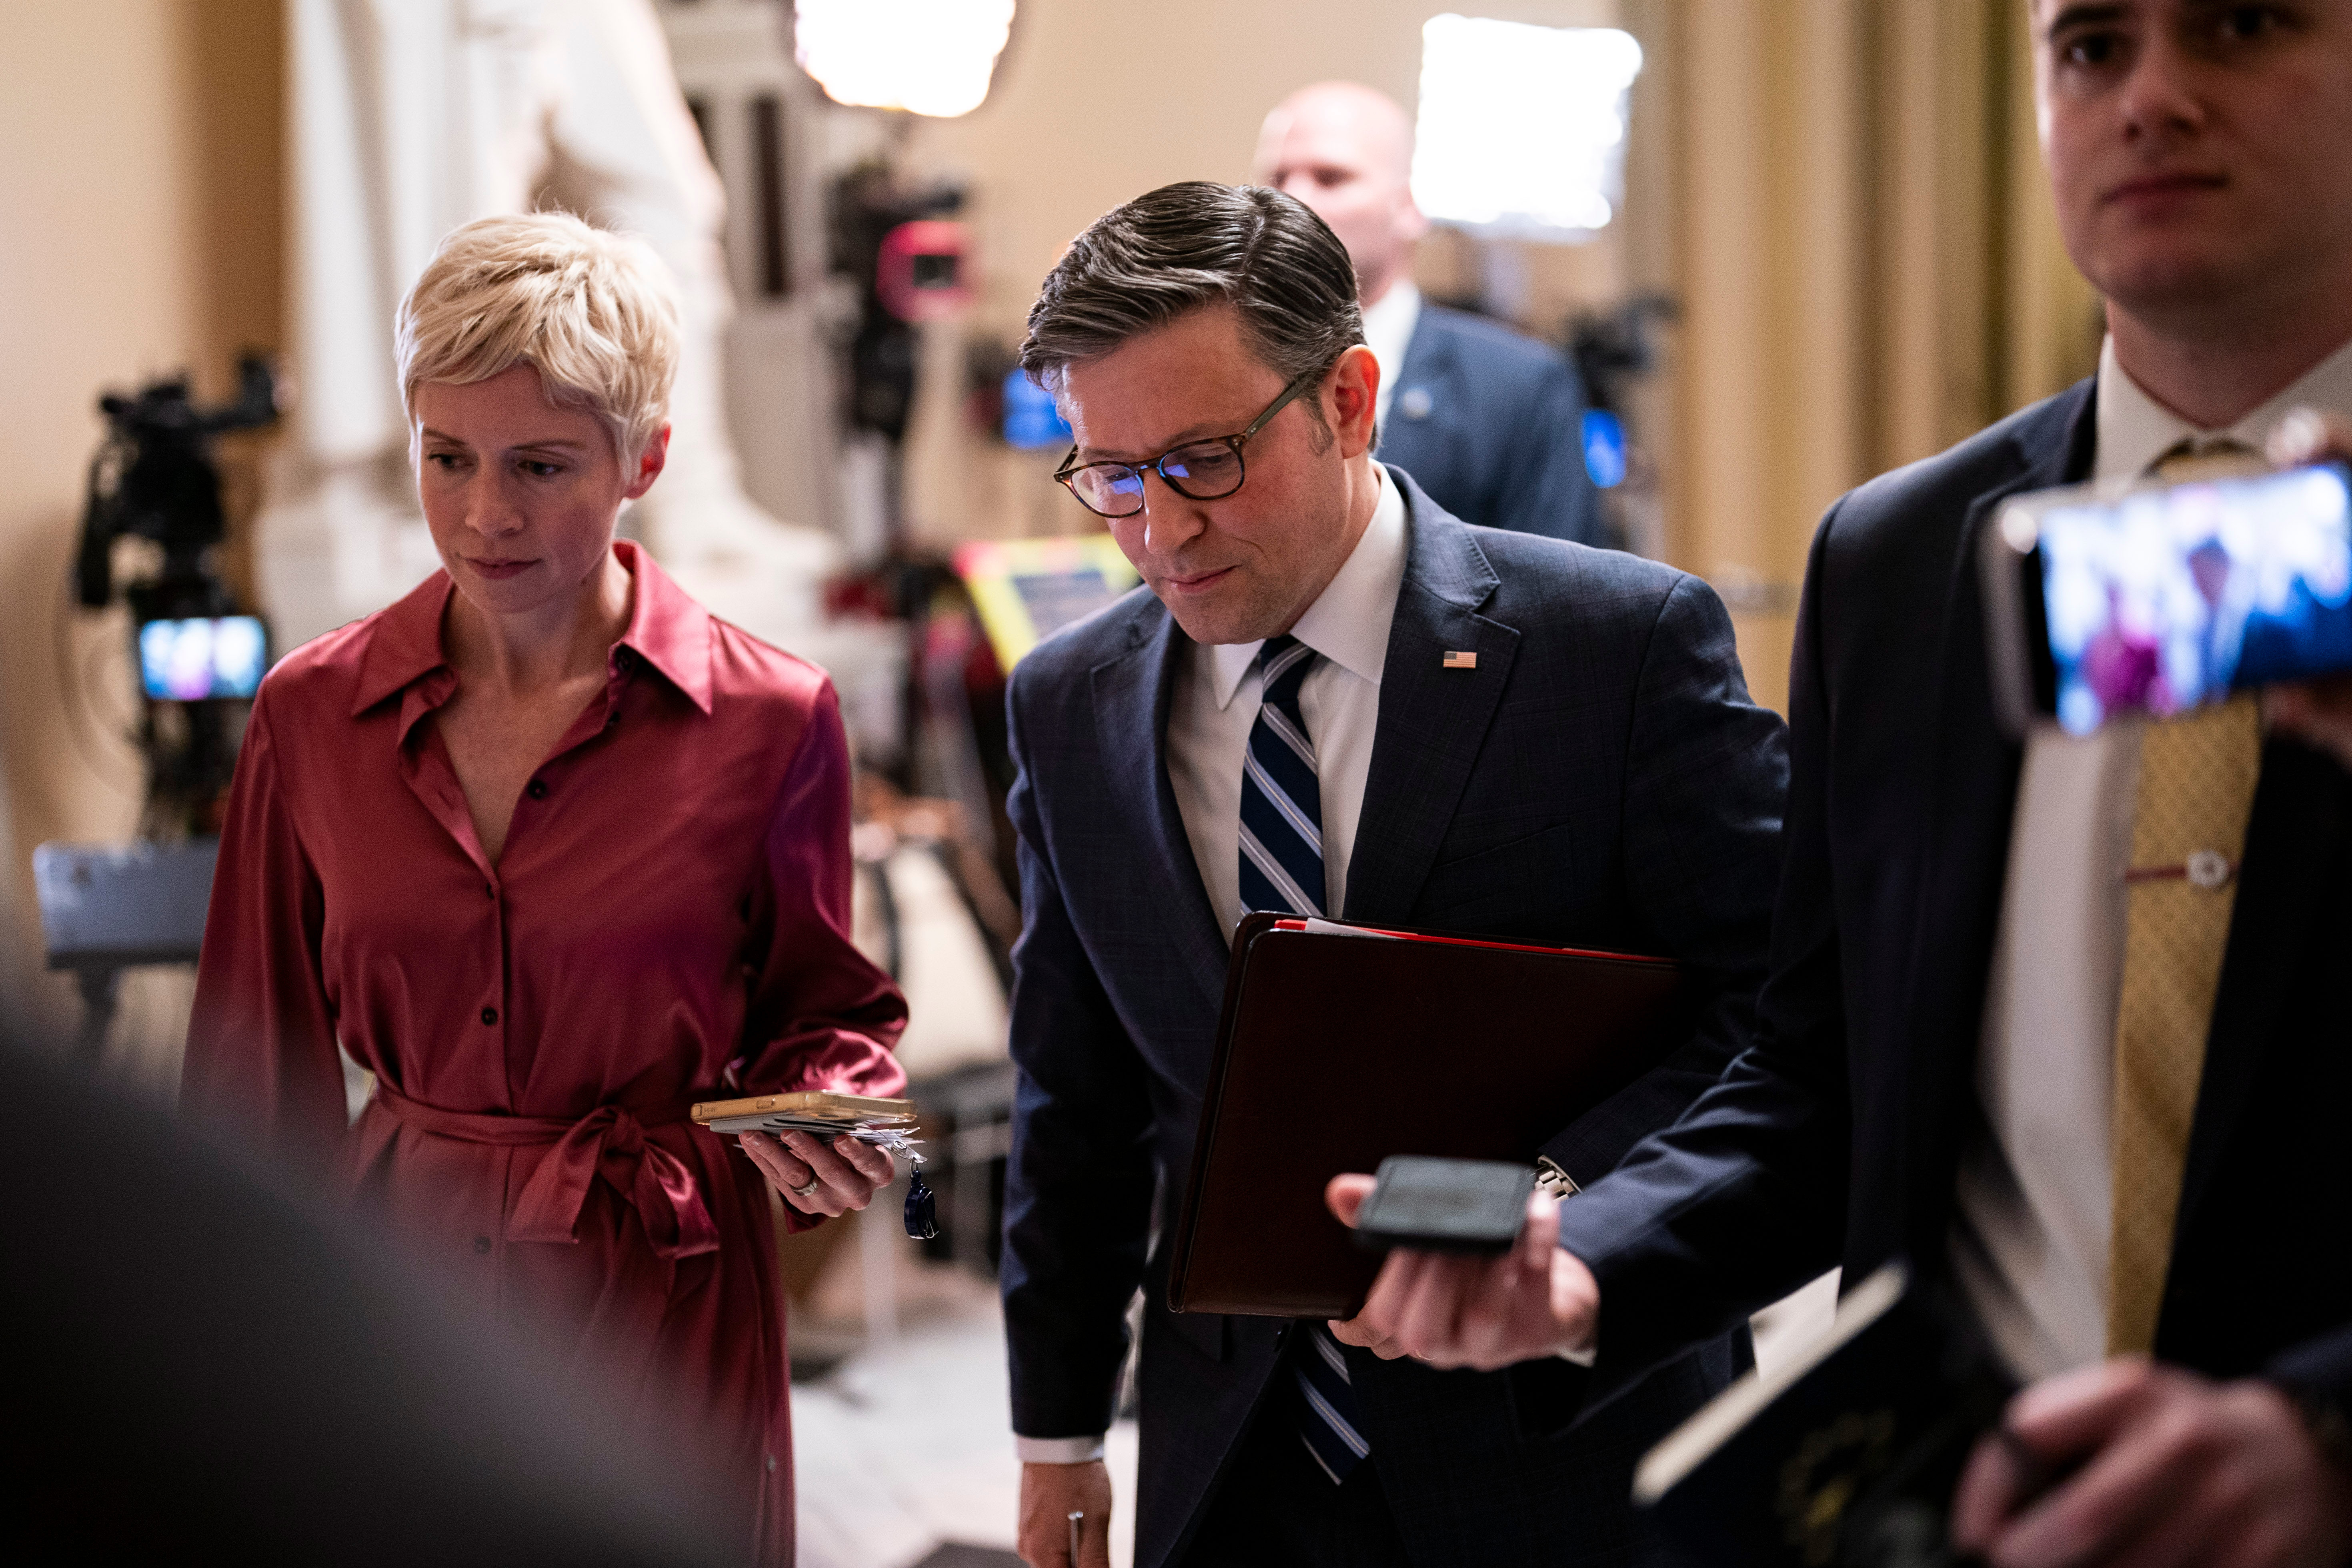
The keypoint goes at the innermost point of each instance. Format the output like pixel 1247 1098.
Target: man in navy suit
pixel 1951 1060
pixel 1488 420
pixel 1329 695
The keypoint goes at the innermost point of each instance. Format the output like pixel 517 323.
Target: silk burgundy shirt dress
pixel 669 921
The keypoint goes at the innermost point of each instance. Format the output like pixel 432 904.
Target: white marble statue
pixel 406 118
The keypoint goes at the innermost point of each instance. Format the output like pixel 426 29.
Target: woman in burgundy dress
pixel 553 854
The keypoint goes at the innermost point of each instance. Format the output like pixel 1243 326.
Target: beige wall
pixel 138 236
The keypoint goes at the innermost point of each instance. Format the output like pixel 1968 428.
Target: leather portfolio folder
pixel 1339 1046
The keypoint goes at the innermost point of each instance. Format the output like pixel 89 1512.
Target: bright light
pixel 933 56
pixel 1522 129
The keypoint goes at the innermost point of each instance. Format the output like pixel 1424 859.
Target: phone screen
pixel 203 656
pixel 2164 599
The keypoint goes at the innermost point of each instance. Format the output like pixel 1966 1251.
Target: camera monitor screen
pixel 191 660
pixel 2166 598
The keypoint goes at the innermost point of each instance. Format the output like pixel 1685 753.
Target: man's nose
pixel 1171 522
pixel 2159 94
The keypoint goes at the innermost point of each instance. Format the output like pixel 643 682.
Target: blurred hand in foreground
pixel 2168 1467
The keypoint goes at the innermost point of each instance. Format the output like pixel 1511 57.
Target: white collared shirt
pixel 1209 716
pixel 1216 701
pixel 2030 1233
pixel 1388 332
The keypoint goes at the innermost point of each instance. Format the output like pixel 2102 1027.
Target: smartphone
pixel 200 657
pixel 1445 1206
pixel 2104 601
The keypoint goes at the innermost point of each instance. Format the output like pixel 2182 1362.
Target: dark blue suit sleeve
pixel 1543 486
pixel 1706 775
pixel 1078 1181
pixel 1743 1199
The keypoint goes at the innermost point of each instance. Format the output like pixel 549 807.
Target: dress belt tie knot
pixel 610 1141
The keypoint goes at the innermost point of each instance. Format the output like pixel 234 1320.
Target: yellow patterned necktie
pixel 2197 777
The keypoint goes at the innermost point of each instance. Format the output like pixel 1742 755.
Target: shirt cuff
pixel 1058 1451
pixel 1583 1356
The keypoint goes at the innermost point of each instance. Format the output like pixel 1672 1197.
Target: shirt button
pixel 536 790
pixel 489 1014
pixel 489 890
pixel 482 1244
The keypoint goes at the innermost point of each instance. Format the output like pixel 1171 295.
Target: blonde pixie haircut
pixel 594 311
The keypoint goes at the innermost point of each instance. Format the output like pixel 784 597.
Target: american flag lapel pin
pixel 1461 661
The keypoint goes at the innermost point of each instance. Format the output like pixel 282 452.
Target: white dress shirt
pixel 2030 1236
pixel 1388 332
pixel 1209 716
pixel 1215 705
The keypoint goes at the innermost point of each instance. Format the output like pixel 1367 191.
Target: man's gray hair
pixel 1182 247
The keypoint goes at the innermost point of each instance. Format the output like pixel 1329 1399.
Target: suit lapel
pixel 1131 697
pixel 2294 847
pixel 1973 807
pixel 1432 720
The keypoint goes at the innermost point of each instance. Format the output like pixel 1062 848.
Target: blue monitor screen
pixel 191 660
pixel 1031 420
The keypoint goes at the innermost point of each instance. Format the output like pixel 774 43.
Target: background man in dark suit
pixel 1957 1052
pixel 1490 422
pixel 1334 696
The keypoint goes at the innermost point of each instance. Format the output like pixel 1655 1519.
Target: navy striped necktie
pixel 1282 810
pixel 1282 870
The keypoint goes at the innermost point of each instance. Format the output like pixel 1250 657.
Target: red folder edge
pixel 1476 942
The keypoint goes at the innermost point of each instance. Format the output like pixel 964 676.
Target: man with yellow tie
pixel 2069 1023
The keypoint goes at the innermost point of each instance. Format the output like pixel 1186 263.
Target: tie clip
pixel 1461 661
pixel 2207 868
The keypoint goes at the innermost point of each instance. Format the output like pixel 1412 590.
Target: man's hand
pixel 2318 713
pixel 1452 1311
pixel 1049 1495
pixel 2173 1469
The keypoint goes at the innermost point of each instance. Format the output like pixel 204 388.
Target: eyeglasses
pixel 1201 470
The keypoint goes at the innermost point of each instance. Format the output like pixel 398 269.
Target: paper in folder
pixel 1341 1044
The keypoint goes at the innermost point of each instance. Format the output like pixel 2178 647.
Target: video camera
pixel 200 657
pixel 154 478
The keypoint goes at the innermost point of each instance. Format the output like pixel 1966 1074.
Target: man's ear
pixel 1353 388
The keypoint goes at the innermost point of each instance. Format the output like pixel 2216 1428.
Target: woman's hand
pixel 817 1177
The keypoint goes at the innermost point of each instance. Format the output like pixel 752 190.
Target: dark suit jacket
pixel 1491 423
pixel 1601 778
pixel 1836 1136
